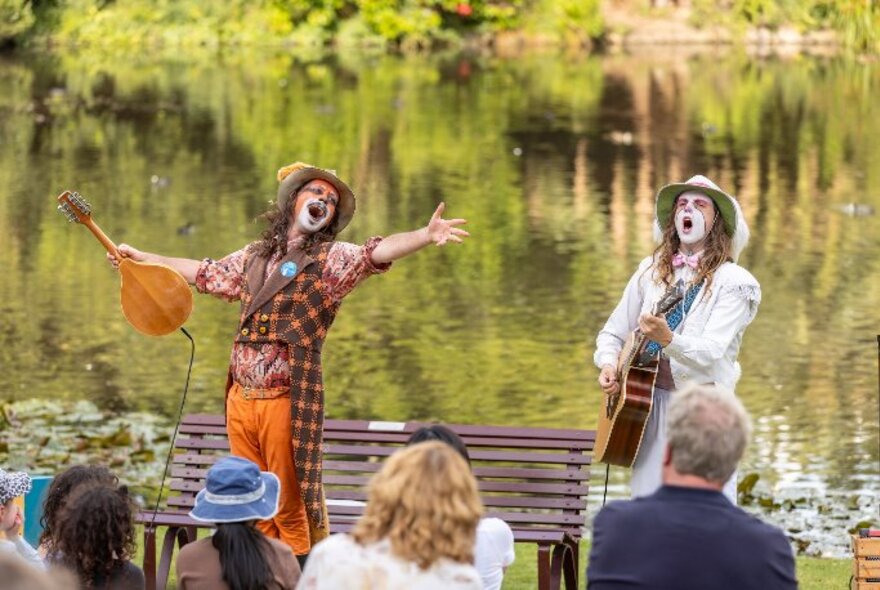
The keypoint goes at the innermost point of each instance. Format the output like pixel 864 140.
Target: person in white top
pixel 417 530
pixel 701 232
pixel 13 485
pixel 493 552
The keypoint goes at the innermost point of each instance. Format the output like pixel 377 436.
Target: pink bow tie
pixel 680 259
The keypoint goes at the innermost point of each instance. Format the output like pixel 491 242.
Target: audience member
pixel 688 535
pixel 237 556
pixel 94 538
pixel 493 551
pixel 417 530
pixel 59 491
pixel 14 484
pixel 16 574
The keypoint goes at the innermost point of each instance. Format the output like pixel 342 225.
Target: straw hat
pixel 294 176
pixel 731 214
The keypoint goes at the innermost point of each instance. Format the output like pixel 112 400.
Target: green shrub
pixel 16 17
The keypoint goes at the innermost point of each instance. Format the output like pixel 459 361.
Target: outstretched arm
pixel 185 266
pixel 438 231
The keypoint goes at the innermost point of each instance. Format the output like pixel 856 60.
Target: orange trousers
pixel 258 423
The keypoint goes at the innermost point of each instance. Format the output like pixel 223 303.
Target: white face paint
pixel 694 217
pixel 315 207
pixel 313 215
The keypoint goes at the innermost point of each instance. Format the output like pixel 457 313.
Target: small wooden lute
pixel 624 415
pixel 156 299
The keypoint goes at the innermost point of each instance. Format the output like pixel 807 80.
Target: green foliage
pixel 395 20
pixel 857 21
pixel 16 18
pixel 568 20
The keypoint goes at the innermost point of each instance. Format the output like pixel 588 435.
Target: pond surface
pixel 555 162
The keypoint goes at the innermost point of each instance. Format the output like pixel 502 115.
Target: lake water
pixel 554 160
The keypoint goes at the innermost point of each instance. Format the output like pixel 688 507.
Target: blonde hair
pixel 425 501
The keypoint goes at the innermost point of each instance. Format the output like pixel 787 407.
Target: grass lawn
pixel 813 573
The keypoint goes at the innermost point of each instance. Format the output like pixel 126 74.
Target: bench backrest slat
pixel 536 479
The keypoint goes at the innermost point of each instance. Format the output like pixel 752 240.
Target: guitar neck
pixel 102 237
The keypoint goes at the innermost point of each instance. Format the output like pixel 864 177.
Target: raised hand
pixel 442 230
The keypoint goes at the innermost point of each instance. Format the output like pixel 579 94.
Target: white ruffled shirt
pixel 706 343
pixel 340 562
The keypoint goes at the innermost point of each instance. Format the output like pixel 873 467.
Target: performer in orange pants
pixel 290 285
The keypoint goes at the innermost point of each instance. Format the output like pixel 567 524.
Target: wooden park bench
pixel 535 479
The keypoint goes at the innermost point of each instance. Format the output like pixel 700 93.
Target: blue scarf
pixel 676 315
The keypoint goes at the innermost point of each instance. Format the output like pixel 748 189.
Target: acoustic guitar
pixel 624 415
pixel 156 299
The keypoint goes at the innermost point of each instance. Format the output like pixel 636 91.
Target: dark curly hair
pixel 95 533
pixel 59 491
pixel 716 251
pixel 274 238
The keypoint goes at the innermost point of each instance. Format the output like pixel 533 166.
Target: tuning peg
pixel 65 210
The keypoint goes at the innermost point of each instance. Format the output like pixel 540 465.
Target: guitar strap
pixel 676 315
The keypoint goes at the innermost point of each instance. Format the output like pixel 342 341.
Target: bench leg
pixel 173 533
pixel 149 557
pixel 544 567
pixel 563 565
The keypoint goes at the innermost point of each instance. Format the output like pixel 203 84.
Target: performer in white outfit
pixel 701 231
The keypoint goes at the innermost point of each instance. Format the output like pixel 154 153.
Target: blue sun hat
pixel 236 491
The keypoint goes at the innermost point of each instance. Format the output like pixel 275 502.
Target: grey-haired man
pixel 688 535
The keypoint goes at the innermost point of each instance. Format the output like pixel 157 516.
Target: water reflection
pixel 554 161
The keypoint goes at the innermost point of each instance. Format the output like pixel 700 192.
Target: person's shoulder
pixel 626 509
pixel 196 547
pixel 730 273
pixel 646 263
pixel 279 547
pixel 339 542
pixel 492 525
pixel 757 528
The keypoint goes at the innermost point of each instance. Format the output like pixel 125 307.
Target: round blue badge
pixel 288 269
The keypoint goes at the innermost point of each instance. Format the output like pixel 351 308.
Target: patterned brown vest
pixel 290 306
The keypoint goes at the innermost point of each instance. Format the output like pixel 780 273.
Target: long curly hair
pixel 95 533
pixel 274 237
pixel 425 501
pixel 59 492
pixel 717 250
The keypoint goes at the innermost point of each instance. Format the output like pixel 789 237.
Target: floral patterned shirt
pixel 265 365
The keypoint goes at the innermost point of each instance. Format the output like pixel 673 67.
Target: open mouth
pixel 687 224
pixel 317 210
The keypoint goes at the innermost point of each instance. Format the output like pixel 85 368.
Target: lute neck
pixel 102 237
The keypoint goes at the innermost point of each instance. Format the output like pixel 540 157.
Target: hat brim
pixel 263 509
pixel 296 180
pixel 666 202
